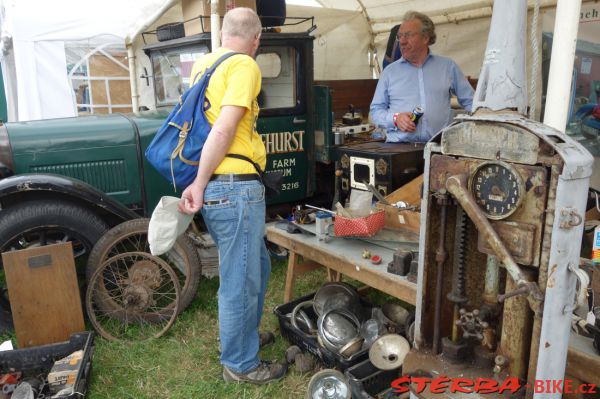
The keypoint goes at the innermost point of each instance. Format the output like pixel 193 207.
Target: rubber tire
pixel 80 222
pixel 183 246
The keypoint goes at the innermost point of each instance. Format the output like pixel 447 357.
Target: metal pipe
pixel 215 25
pixel 440 257
pixel 457 186
pixel 492 281
pixel 564 43
pixel 516 331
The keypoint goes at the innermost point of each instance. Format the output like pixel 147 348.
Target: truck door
pixel 285 121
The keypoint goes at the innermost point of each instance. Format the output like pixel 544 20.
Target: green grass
pixel 184 363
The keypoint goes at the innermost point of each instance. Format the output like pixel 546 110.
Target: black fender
pixel 23 186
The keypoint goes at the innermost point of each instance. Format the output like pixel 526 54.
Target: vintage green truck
pixel 72 179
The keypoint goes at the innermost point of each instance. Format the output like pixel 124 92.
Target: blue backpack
pixel 175 150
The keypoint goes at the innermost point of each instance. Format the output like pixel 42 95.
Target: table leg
pixel 289 278
pixel 333 275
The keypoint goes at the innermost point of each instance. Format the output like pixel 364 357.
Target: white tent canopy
pixel 34 36
pixel 349 34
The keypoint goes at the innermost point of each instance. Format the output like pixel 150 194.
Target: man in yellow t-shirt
pixel 231 198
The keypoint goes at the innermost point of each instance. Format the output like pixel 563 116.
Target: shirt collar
pixel 405 61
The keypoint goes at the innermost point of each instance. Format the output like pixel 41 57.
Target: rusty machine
pixel 503 206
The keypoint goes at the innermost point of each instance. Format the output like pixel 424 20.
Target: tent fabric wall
pixel 340 35
pixel 34 33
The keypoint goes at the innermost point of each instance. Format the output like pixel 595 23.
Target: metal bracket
pixel 569 218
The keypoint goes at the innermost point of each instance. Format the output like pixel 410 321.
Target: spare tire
pixel 271 12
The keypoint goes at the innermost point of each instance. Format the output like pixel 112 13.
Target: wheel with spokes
pixel 143 297
pixel 132 236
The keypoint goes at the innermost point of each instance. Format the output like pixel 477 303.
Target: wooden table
pixel 342 256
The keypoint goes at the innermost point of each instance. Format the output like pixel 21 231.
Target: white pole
pixel 133 78
pixel 561 64
pixel 215 25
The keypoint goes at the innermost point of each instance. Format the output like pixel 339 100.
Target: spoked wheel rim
pixel 144 294
pixel 132 236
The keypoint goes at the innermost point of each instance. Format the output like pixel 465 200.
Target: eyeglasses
pixel 406 35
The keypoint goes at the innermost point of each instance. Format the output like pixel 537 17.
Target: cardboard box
pixel 404 219
pixel 63 374
pixel 194 9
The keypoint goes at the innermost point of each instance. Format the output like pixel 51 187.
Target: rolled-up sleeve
pixel 462 88
pixel 380 112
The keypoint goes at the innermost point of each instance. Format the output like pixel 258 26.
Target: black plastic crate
pixel 364 377
pixel 38 360
pixel 308 343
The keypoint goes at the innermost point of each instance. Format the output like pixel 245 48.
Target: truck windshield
pixel 172 71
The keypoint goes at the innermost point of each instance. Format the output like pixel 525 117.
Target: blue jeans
pixel 234 213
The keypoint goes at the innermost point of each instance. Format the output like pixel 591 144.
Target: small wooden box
pixel 404 219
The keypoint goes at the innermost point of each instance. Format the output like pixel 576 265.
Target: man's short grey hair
pixel 428 27
pixel 241 22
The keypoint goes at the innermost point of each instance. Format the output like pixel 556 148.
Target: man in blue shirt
pixel 421 79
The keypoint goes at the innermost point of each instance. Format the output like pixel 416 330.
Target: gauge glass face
pixel 497 189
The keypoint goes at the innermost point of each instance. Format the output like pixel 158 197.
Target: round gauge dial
pixel 498 189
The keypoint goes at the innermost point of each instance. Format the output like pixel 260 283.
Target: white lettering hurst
pixel 282 142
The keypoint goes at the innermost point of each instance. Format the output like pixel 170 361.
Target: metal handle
pixel 298 121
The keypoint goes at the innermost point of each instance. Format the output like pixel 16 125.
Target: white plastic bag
pixel 166 224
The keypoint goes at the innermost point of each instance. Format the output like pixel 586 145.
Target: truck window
pixel 172 69
pixel 278 67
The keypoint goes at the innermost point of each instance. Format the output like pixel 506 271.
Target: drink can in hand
pixel 417 113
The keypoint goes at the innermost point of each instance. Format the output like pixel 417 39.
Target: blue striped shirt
pixel 403 86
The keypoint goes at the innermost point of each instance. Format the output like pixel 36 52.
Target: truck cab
pixel 286 121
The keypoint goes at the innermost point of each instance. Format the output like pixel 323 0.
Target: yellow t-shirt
pixel 237 82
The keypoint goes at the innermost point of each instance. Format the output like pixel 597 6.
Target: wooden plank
pixel 344 256
pixel 44 294
pixel 358 92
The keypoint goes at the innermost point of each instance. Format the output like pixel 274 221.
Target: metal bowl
pixel 396 314
pixel 336 328
pixel 388 352
pixel 336 295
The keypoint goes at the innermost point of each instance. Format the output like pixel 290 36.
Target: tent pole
pixel 215 25
pixel 561 64
pixel 133 76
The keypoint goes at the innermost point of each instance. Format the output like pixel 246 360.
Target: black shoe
pixel 263 374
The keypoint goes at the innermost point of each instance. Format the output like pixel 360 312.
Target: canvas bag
pixel 175 150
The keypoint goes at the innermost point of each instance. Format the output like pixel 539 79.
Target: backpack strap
pixel 184 130
pixel 209 71
pixel 245 158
